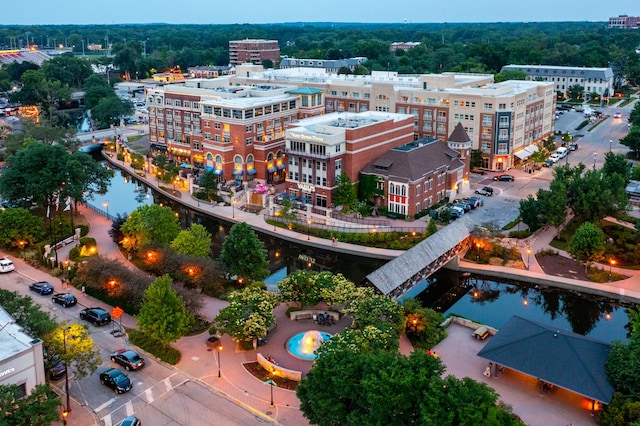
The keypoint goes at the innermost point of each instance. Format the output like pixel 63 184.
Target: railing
pixel 102 212
pixel 362 229
pixel 342 218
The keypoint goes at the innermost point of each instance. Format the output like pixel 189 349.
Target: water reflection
pixel 493 303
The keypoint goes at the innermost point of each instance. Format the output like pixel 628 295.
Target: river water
pixel 481 299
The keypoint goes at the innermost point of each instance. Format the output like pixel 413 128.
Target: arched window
pixel 218 161
pixel 209 156
pixel 237 162
pixel 270 157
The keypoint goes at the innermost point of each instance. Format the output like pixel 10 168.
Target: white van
pixel 562 152
pixel 6 265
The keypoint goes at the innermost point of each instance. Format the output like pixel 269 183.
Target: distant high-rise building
pixel 624 21
pixel 253 50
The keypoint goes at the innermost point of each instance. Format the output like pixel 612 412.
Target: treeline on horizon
pixel 459 47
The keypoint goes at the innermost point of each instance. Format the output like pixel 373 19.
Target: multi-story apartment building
pixel 253 50
pixel 592 80
pixel 329 65
pixel 625 21
pixel 415 176
pixel 500 118
pixel 319 149
pixel 235 131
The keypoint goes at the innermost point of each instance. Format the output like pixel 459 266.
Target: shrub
pixel 167 354
pixel 519 234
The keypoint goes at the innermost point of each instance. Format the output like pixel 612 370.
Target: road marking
pixel 167 383
pixel 107 420
pixel 129 407
pixel 149 395
pixel 105 405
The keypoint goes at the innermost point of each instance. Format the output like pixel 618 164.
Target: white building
pixel 593 80
pixel 21 357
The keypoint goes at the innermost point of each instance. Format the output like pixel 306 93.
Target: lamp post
pixel 106 205
pixel 610 144
pixel 66 373
pixel 233 208
pixel 21 243
pixel 308 224
pixel 611 263
pixel 478 255
pixel 528 258
pixel 595 156
pixel 219 350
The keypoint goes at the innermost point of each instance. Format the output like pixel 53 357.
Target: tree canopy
pixel 72 343
pixel 195 241
pixel 249 314
pixel 39 408
pixel 163 314
pixel 243 254
pixel 587 244
pixel 35 322
pixel 150 224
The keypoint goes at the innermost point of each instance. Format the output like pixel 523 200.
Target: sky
pixel 80 12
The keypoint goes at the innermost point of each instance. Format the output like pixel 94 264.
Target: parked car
pixel 618 114
pixel 131 421
pixel 127 358
pixel 41 287
pixel 488 189
pixel 547 163
pixel 481 191
pixel 464 206
pixel 96 316
pixel 456 212
pixel 64 299
pixel 6 265
pixel 505 178
pixel 473 202
pixel 554 157
pixel 573 146
pixel 478 200
pixel 54 367
pixel 116 380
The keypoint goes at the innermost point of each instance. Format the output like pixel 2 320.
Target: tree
pixel 368 308
pixel 249 314
pixel 432 227
pixel 163 315
pixel 552 204
pixel 110 110
pixel 27 314
pixel 576 91
pixel 623 367
pixel 632 140
pixel 72 343
pixel 587 244
pixel 243 254
pixel 510 75
pixel 68 69
pixel 38 90
pixel 476 159
pixel 616 163
pixel 39 408
pixel 344 195
pixel 150 224
pixel 95 89
pixel 209 184
pixel 19 228
pixel 287 209
pixel 195 241
pixel 530 212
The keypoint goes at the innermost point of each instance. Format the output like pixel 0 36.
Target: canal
pixel 481 299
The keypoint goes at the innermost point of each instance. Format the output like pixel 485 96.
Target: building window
pixel 249 141
pixel 339 166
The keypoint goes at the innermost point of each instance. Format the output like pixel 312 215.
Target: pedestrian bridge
pixel 401 274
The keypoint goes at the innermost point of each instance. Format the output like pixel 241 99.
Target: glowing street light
pixel 106 205
pixel 219 350
pixel 22 243
pixel 233 208
pixel 610 144
pixel 612 262
pixel 595 156
pixel 308 225
pixel 478 255
pixel 528 258
pixel 66 412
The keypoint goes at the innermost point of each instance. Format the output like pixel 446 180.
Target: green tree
pixel 40 91
pixel 576 91
pixel 632 140
pixel 530 212
pixel 249 314
pixel 243 254
pixel 432 227
pixel 552 204
pixel 616 163
pixel 287 209
pixel 510 75
pixel 110 110
pixel 27 314
pixel 163 314
pixel 150 224
pixel 623 367
pixel 39 408
pixel 74 346
pixel 19 228
pixel 195 241
pixel 368 308
pixel 587 244
pixel 622 411
pixel 68 69
pixel 95 89
pixel 476 159
pixel 209 184
pixel 344 194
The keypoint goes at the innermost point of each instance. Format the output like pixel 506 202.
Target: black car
pixel 96 316
pixel 55 367
pixel 116 380
pixel 41 287
pixel 64 299
pixel 573 146
pixel 504 178
pixel 127 358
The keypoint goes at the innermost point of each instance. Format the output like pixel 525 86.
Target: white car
pixel 6 265
pixel 554 157
pixel 618 114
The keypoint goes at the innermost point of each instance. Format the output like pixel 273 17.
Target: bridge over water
pixel 401 274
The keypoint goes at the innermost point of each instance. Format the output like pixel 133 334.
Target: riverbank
pixel 627 291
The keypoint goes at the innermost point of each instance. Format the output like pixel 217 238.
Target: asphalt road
pixel 161 395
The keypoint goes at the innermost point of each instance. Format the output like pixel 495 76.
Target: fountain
pixel 303 345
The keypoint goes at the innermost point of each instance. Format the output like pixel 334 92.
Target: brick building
pixel 253 51
pixel 319 149
pixel 416 176
pixel 625 21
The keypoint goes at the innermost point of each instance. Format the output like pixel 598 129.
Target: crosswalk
pixel 141 398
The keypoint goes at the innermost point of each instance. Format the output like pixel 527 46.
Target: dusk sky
pixel 27 12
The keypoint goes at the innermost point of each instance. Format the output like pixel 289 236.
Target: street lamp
pixel 478 255
pixel 612 262
pixel 528 258
pixel 21 243
pixel 66 372
pixel 595 156
pixel 610 144
pixel 106 205
pixel 308 224
pixel 219 350
pixel 233 208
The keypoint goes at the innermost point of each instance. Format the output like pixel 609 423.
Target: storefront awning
pixel 532 148
pixel 218 172
pixel 237 172
pixel 252 171
pixel 523 154
pixel 272 169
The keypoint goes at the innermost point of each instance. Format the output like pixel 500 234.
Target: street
pixel 161 395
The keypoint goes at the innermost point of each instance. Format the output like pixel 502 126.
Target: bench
pixel 298 315
pixel 481 333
